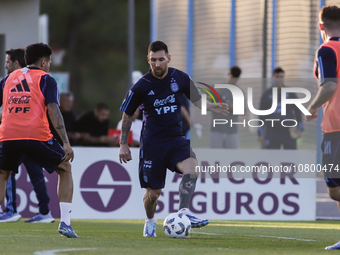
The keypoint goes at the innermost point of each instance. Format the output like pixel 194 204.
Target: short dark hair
pixel 157 46
pixel 36 51
pixel 101 106
pixel 235 71
pixel 278 70
pixel 330 16
pixel 17 54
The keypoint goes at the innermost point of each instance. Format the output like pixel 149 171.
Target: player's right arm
pixel 327 72
pixel 132 101
pixel 124 151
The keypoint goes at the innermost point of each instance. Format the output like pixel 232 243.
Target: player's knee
pixel 334 193
pixel 334 196
pixel 64 167
pixel 153 195
pixel 195 174
pixel 188 166
pixel 5 175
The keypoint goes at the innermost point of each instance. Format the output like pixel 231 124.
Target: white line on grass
pixel 54 252
pixel 284 237
pixel 205 233
pixel 278 237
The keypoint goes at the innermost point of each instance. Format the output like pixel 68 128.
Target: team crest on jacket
pixel 174 86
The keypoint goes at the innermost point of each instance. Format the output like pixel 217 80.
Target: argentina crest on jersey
pixel 174 86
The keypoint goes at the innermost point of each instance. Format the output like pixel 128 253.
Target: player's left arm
pixel 195 97
pixel 325 92
pixel 51 94
pixel 214 108
pixel 327 63
pixel 59 125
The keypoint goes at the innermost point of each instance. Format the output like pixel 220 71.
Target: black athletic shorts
pixel 154 162
pixel 331 158
pixel 46 154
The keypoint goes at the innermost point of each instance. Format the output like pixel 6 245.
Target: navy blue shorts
pixel 46 154
pixel 331 158
pixel 288 144
pixel 154 162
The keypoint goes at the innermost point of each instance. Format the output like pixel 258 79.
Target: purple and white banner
pixel 229 189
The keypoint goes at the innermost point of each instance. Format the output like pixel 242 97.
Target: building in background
pixel 18 26
pixel 205 38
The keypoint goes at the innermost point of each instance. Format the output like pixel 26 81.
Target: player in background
pixel 327 70
pixel 226 136
pixel 25 130
pixel 15 59
pixel 274 135
pixel 162 145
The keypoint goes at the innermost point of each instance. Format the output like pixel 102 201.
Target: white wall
pixel 106 189
pixel 19 23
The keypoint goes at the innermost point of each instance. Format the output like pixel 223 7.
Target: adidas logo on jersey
pixel 23 86
pixel 151 93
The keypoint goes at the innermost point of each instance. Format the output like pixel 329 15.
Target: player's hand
pixel 260 139
pixel 124 153
pixel 220 109
pixel 230 104
pixel 314 113
pixel 69 154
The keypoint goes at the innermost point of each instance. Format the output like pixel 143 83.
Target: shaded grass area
pixel 125 237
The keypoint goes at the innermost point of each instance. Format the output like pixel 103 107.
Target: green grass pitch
pixel 125 237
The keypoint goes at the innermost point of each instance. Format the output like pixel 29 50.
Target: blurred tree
pixel 94 35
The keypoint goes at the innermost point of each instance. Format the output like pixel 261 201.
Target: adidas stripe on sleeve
pixel 326 65
pixel 49 88
pixel 133 100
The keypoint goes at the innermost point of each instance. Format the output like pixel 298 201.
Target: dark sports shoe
pixel 66 230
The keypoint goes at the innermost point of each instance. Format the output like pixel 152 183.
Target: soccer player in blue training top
pixel 327 70
pixel 25 130
pixel 162 145
pixel 15 59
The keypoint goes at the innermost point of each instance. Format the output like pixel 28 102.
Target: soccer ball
pixel 177 225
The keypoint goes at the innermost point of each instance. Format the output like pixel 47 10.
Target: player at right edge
pixel 327 70
pixel 162 146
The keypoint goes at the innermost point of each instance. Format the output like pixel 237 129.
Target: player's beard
pixel 159 72
pixel 9 71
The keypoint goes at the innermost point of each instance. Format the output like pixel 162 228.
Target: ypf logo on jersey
pixel 105 186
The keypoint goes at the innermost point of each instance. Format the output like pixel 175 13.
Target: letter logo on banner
pixel 105 186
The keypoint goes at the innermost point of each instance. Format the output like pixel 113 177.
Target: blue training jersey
pixel 160 99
